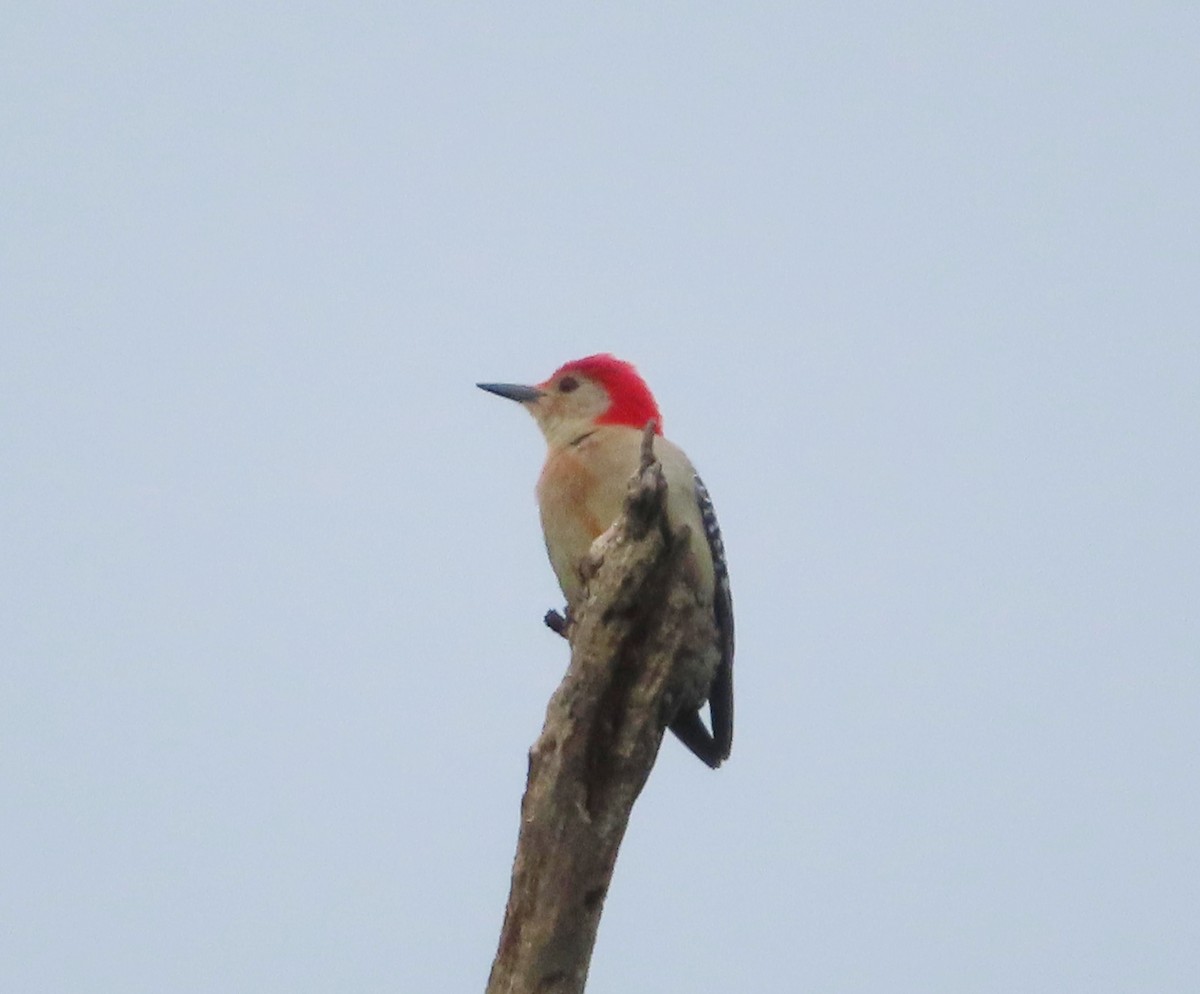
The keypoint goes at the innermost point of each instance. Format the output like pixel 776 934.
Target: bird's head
pixel 582 395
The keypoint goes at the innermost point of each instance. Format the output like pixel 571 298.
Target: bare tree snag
pixel 604 725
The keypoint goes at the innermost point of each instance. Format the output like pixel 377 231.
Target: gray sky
pixel 916 288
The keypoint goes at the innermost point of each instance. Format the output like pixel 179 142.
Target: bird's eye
pixel 567 384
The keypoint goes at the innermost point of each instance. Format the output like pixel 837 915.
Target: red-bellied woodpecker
pixel 593 413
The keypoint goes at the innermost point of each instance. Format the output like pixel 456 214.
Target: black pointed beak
pixel 513 391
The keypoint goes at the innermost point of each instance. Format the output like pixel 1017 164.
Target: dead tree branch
pixel 603 729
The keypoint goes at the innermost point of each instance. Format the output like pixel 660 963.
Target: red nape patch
pixel 632 403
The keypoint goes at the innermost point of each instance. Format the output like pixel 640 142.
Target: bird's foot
pixel 559 623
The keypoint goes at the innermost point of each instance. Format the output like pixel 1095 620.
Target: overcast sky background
pixel 916 287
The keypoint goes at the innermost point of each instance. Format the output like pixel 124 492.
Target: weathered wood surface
pixel 604 725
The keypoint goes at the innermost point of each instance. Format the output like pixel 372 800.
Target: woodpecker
pixel 593 413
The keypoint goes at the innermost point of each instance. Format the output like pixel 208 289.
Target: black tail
pixel 720 707
pixel 690 730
